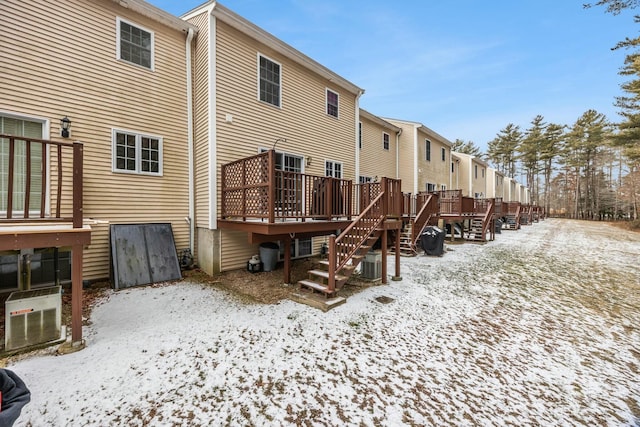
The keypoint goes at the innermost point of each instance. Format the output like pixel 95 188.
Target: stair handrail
pixel 422 218
pixel 488 217
pixel 336 263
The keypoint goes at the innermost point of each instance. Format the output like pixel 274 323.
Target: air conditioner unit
pixel 32 317
pixel 372 266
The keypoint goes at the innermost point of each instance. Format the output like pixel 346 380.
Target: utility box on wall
pixel 32 317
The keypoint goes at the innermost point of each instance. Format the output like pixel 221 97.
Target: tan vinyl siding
pixel 302 119
pixel 434 171
pixel 464 176
pixel 52 70
pixel 201 118
pixel 374 159
pixel 406 169
pixel 495 183
pixel 479 182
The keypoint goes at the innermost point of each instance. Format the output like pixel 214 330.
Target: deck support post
pixel 287 260
pixel 76 294
pixel 384 256
pixel 397 276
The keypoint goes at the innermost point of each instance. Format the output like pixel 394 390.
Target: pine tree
pixel 529 153
pixel 502 149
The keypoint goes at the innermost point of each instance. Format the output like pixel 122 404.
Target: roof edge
pixel 252 30
pixel 156 14
pixel 376 119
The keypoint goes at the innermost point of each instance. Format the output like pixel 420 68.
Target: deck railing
pixel 252 188
pixel 510 208
pixel 39 176
pixel 429 208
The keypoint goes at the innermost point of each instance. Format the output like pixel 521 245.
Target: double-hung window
pixel 444 154
pixel 269 81
pixel 29 129
pixel 385 141
pixel 332 103
pixel 427 148
pixel 135 44
pixel 333 169
pixel 360 135
pixel 137 153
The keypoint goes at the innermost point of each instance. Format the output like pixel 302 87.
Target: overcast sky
pixel 467 68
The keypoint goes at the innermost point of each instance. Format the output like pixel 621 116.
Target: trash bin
pixel 498 226
pixel 269 255
pixel 15 395
pixel 432 241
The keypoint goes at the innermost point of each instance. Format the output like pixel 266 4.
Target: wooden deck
pixel 271 204
pixel 58 168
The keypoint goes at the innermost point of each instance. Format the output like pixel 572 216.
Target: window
pixel 476 171
pixel 137 153
pixel 453 168
pixel 443 187
pixel 31 129
pixel 444 154
pixel 365 179
pixel 483 172
pixel 431 187
pixel 333 169
pixel 135 44
pixel 427 148
pixel 332 103
pixel 385 141
pixel 270 78
pixel 360 135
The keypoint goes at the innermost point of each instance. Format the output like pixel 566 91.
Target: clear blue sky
pixel 466 68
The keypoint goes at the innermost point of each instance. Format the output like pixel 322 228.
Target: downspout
pixel 398 153
pixel 415 159
pixel 211 118
pixel 471 175
pixel 190 142
pixel 357 115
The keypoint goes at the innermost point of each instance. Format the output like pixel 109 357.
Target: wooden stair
pixel 318 280
pixel 511 223
pixel 407 247
pixel 475 232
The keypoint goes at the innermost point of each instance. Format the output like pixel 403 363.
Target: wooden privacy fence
pixel 36 171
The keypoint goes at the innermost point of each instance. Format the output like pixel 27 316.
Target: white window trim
pixel 258 81
pixel 153 44
pixel 45 135
pixel 427 151
pixel 326 102
pixel 334 163
pixel 388 141
pixel 139 136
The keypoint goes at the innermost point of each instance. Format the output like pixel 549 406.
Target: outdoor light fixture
pixel 65 124
pixel 308 160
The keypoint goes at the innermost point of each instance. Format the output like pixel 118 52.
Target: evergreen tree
pixel 468 147
pixel 502 149
pixel 529 153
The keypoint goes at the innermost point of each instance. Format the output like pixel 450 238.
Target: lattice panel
pixel 257 201
pixel 232 203
pixel 256 170
pixel 233 175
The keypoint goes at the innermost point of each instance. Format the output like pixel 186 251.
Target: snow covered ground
pixel 540 327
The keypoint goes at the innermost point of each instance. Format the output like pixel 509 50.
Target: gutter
pixel 190 142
